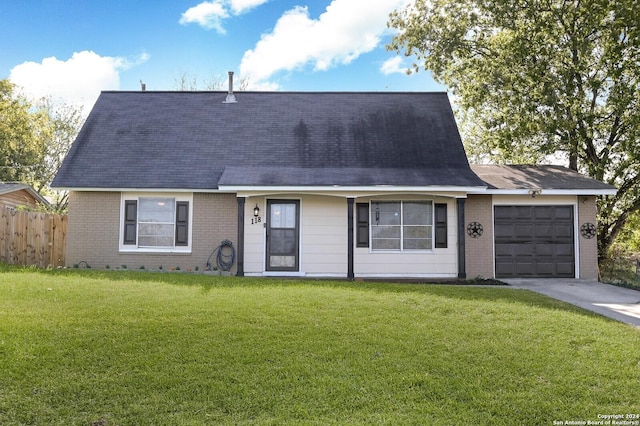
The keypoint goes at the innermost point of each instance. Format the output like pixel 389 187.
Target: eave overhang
pixel 136 189
pixel 339 188
pixel 544 191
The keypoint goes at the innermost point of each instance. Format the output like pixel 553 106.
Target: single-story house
pixel 14 195
pixel 345 185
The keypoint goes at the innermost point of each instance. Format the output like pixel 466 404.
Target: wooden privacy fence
pixel 28 238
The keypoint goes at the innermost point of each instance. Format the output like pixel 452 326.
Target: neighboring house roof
pixel 192 140
pixel 30 197
pixel 547 179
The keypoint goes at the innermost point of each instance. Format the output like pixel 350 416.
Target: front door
pixel 283 236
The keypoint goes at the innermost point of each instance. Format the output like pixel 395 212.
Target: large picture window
pixel 401 225
pixel 155 223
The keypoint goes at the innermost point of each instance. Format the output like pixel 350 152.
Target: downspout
pixel 350 274
pixel 462 268
pixel 240 248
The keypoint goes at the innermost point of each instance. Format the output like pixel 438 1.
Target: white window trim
pixel 402 249
pixel 126 248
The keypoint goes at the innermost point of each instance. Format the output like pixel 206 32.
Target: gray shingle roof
pixel 9 187
pixel 6 188
pixel 513 177
pixel 190 140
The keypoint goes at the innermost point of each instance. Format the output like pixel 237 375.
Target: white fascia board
pixel 352 189
pixel 185 190
pixel 546 192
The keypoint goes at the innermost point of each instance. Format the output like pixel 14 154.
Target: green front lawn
pixel 125 348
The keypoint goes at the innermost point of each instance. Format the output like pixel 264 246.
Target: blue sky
pixel 72 49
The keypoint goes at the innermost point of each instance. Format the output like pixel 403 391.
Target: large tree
pixel 34 138
pixel 540 79
pixel 17 136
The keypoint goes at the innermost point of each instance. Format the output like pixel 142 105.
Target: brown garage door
pixel 534 241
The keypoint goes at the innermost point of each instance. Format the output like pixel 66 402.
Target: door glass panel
pixel 283 241
pixel 283 216
pixel 282 261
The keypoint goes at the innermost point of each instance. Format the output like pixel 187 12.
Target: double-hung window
pixel 155 223
pixel 401 225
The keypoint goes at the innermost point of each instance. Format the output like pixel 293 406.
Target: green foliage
pixel 34 139
pixel 63 123
pixel 621 268
pixel 18 136
pixel 628 241
pixel 125 347
pixel 621 264
pixel 540 79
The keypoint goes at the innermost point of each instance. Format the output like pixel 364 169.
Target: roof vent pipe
pixel 231 99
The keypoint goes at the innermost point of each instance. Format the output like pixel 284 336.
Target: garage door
pixel 534 241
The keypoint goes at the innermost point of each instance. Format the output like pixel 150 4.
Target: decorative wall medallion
pixel 474 229
pixel 588 230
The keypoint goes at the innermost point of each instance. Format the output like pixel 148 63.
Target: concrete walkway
pixel 621 304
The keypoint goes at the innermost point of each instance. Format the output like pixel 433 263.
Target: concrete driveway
pixel 621 304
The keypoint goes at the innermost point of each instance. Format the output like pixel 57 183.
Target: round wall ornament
pixel 588 230
pixel 474 229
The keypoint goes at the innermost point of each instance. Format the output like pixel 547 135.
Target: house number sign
pixel 256 220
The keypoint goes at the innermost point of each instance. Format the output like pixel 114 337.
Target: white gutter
pixel 189 190
pixel 543 191
pixel 470 190
pixel 338 188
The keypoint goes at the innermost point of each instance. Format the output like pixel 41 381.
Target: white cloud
pixel 264 86
pixel 346 30
pixel 76 81
pixel 393 66
pixel 241 6
pixel 207 14
pixel 210 14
